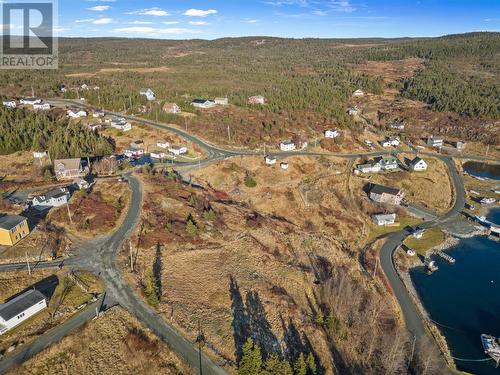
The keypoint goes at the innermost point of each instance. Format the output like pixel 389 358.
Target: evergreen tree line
pixel 22 130
pixel 252 363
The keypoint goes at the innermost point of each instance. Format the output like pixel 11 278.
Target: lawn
pixel 431 238
pixel 377 231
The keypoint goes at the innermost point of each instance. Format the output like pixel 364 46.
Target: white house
pixel 391 141
pixel 369 167
pixel 53 198
pixel 81 184
pixel 435 142
pixel 418 234
pixel 358 93
pixel 98 114
pixel 94 127
pixel 39 154
pixel 353 111
pixel 257 99
pixel 385 143
pixel 331 133
pixel 163 144
pixel 270 160
pixel 389 163
pixel 386 219
pixel 148 93
pixel 158 155
pixel 418 164
pixel 203 103
pixel 133 152
pixel 79 114
pixel 171 108
pixel 284 165
pixel 121 125
pixel 84 86
pixel 397 126
pixel 221 101
pixel 10 104
pixel 21 308
pixel 178 150
pixel 41 106
pixel 30 101
pixel 287 146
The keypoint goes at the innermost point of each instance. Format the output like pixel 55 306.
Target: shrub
pixel 250 182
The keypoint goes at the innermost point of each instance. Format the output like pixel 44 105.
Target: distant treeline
pixel 23 130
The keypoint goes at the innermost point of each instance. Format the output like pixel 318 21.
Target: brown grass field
pixel 114 344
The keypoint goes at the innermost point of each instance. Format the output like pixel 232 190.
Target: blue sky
pixel 210 19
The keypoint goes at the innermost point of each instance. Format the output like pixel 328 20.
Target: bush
pixel 250 182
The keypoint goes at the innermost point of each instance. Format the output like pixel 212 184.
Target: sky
pixel 211 19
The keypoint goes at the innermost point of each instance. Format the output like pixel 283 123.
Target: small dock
pixel 445 256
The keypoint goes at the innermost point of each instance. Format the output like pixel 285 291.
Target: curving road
pixel 411 315
pixel 100 257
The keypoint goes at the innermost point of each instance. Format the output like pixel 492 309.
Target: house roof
pixel 68 163
pixel 416 161
pixel 20 304
pixel 200 101
pixel 11 221
pixel 54 193
pixel 271 157
pixel 380 189
pixel 385 217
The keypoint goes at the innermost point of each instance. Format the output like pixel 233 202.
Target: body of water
pixel 464 298
pixel 474 168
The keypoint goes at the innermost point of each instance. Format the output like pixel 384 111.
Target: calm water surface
pixel 465 298
pixel 478 169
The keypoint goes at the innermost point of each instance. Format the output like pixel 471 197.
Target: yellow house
pixel 13 228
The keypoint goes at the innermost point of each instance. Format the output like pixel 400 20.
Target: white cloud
pixel 102 21
pixel 156 12
pixel 341 6
pixel 140 23
pixel 85 20
pixel 251 21
pixel 170 22
pixel 99 8
pixel 199 12
pixel 198 23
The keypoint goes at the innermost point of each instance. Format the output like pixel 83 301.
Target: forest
pixel 23 131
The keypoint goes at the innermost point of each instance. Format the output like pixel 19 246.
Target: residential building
pixel 158 155
pixel 84 86
pixel 270 160
pixel 178 150
pixel 397 125
pixel 63 88
pixel 257 99
pixel 148 93
pixel 369 167
pixel 13 228
pixel 435 142
pixel 52 198
pixel 331 133
pixel 30 101
pixel 386 219
pixel 40 154
pixel 98 114
pixel 10 104
pixel 460 145
pixel 163 144
pixel 134 152
pixel 391 141
pixel 68 169
pixel 287 146
pixel 203 103
pixel 358 93
pixel 93 127
pixel 384 194
pixel 221 101
pixel 171 108
pixel 139 144
pixel 418 233
pixel 41 106
pixel 20 309
pixel 389 163
pixel 284 165
pixel 76 114
pixel 418 164
pixel 121 125
pixel 81 184
pixel 353 111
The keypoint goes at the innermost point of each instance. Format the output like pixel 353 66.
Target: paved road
pixel 411 316
pixel 49 338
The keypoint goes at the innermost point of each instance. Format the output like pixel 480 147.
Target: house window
pixel 20 316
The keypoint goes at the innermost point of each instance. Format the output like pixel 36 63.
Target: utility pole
pixel 264 149
pixel 69 213
pixel 131 257
pixel 200 340
pixel 32 92
pixel 99 99
pixel 28 263
pixel 229 132
pixel 412 350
